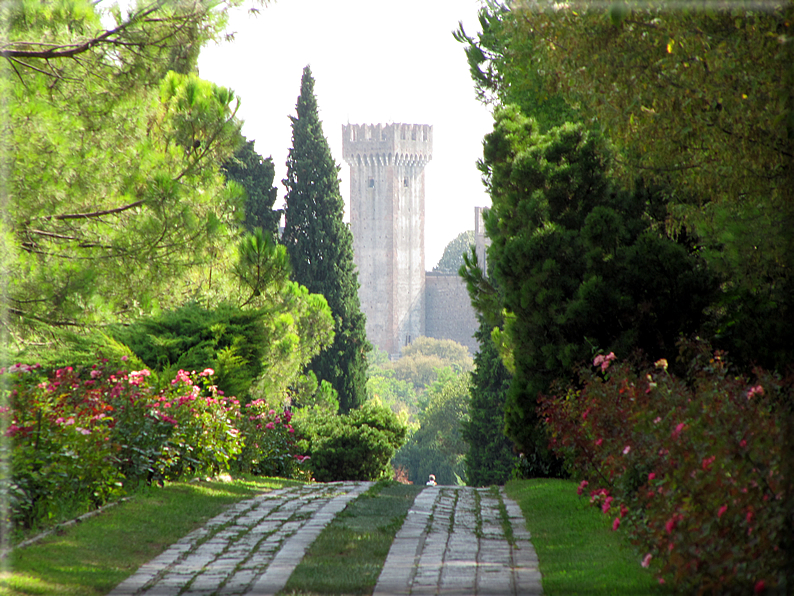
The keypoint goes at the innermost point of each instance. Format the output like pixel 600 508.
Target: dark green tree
pixel 320 246
pixel 255 174
pixel 490 458
pixel 584 265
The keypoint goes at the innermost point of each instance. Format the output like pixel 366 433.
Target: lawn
pixel 92 557
pixel 578 551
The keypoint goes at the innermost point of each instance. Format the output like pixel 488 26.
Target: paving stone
pixel 446 546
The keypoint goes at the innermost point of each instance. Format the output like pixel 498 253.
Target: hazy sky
pixel 373 62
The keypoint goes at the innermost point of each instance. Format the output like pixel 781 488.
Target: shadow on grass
pixel 92 557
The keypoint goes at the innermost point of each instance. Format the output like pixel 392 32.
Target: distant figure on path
pixel 432 481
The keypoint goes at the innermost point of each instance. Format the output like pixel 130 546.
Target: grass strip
pixel 347 557
pixel 578 551
pixel 92 557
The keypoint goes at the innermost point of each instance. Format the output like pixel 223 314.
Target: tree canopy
pixel 255 174
pixel 320 246
pixel 452 259
pixel 697 100
pixel 112 147
pixel 584 265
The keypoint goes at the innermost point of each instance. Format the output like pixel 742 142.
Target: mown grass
pixel 348 555
pixel 92 557
pixel 579 553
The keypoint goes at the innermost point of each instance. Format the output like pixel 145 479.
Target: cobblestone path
pixel 453 542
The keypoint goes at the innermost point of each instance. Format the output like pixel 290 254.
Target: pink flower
pixel 678 430
pixel 657 420
pixel 651 476
pixel 760 587
pixel 603 361
pixel 757 390
pixel 607 505
pixel 69 421
pixel 742 443
pixel 671 523
pixel 708 461
pixel 646 560
pixel 270 425
pixel 598 442
pixel 623 510
pixel 581 487
pixel 721 511
pixel 207 372
pixel 124 358
pixel 626 449
pixel 616 524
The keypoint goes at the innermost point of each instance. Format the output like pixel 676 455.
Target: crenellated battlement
pixel 387 144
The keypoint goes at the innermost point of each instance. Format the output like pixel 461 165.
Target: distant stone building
pixel 387 217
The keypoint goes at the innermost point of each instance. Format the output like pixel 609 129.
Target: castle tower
pixel 387 218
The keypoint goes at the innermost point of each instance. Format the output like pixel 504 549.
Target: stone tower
pixel 387 218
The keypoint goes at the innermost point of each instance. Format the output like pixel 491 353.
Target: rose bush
pixel 81 436
pixel 690 468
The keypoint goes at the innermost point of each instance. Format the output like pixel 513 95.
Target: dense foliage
pixel 690 466
pixel 437 447
pixel 320 247
pixel 255 174
pixel 582 263
pixel 358 445
pixel 696 107
pixel 81 436
pixel 402 384
pixel 130 203
pixel 695 100
pixel 489 457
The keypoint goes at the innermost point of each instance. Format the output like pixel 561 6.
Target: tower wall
pixel 387 204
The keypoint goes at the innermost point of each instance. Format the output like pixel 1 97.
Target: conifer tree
pixel 255 174
pixel 320 246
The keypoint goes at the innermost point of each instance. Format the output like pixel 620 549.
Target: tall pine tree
pixel 320 246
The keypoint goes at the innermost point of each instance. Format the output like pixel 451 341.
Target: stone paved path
pixel 452 542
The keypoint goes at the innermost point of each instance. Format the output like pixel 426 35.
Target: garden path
pixel 453 541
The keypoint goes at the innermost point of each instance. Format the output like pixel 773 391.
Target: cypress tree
pixel 320 246
pixel 490 459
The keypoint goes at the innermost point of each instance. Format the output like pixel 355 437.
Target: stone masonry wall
pixel 448 310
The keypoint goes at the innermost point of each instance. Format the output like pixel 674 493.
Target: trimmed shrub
pixel 356 446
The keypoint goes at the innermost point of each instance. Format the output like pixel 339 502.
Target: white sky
pixel 373 62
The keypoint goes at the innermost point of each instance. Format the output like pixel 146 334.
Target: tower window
pixel 413 135
pixel 371 183
pixel 405 182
